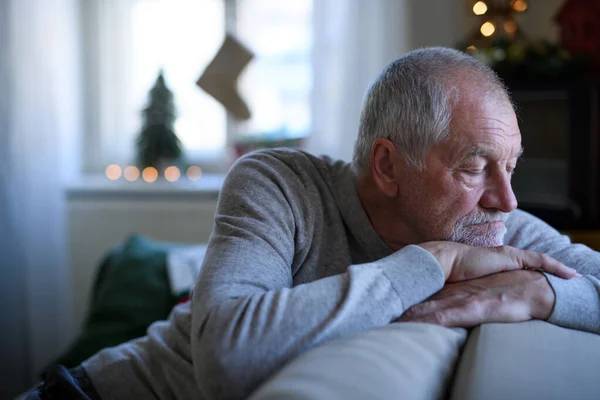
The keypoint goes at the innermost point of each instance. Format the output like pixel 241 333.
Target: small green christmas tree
pixel 158 145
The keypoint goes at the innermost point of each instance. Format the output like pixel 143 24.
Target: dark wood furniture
pixel 559 177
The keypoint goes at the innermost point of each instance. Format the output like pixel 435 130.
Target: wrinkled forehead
pixel 488 123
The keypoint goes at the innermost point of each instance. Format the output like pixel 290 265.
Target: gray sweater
pixel 294 262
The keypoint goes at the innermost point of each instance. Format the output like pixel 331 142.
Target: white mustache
pixel 483 217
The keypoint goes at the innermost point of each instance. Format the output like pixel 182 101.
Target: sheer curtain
pixel 353 41
pixel 39 118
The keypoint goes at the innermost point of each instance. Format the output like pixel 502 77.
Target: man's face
pixel 464 194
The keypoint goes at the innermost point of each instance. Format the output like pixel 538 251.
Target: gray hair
pixel 411 102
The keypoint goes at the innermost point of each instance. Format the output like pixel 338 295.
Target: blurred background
pixel 112 121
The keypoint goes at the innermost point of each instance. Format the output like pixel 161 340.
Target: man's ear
pixel 385 166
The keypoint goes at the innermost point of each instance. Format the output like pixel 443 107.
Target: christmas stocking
pixel 220 76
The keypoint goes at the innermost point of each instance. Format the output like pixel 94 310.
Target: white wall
pixel 538 21
pixel 438 22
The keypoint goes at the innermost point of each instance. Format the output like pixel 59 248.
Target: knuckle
pixel 440 317
pixel 473 307
pixel 478 308
pixel 409 313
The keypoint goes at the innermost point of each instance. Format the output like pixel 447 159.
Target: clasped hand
pixel 500 284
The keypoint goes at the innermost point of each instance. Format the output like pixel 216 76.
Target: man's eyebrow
pixel 519 153
pixel 479 152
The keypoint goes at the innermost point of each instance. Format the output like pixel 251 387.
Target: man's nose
pixel 498 194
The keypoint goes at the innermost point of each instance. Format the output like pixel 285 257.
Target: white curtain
pixel 353 41
pixel 39 120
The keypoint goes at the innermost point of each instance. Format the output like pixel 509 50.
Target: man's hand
pixel 461 262
pixel 512 296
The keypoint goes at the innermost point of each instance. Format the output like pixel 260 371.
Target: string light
pixel 487 29
pixel 471 48
pixel 131 173
pixel 194 173
pixel 519 5
pixel 480 8
pixel 510 27
pixel 150 174
pixel 113 172
pixel 172 173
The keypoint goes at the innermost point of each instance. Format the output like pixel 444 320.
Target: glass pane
pixel 278 81
pixel 181 37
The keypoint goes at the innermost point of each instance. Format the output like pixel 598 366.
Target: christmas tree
pixel 158 145
pixel 497 21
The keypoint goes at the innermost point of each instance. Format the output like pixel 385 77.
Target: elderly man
pixel 422 226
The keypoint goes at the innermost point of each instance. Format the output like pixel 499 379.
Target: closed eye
pixel 474 172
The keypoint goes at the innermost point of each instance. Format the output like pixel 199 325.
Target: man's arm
pixel 577 303
pixel 248 320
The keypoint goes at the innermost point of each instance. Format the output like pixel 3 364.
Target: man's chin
pixel 480 236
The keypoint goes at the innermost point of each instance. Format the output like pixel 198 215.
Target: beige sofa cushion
pixel 530 360
pixel 398 361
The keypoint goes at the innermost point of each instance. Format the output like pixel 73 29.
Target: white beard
pixel 468 229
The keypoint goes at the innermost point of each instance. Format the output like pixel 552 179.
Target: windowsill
pixel 97 185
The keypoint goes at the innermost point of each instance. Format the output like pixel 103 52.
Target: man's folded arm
pixel 577 303
pixel 248 320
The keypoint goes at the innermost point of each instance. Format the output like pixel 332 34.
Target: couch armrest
pixel 528 360
pixel 397 361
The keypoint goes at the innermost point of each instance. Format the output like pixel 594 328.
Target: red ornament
pixel 579 22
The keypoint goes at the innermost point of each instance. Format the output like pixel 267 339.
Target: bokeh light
pixel 480 8
pixel 194 173
pixel 150 174
pixel 519 5
pixel 471 48
pixel 487 29
pixel 113 172
pixel 510 27
pixel 131 173
pixel 172 173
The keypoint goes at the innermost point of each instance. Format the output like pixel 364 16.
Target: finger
pixel 449 317
pixel 543 262
pixel 476 262
pixel 429 307
pixel 419 310
pixel 467 315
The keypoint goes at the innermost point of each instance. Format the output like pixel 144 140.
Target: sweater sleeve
pixel 577 303
pixel 248 320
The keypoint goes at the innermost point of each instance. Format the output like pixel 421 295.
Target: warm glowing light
pixel 519 5
pixel 194 173
pixel 510 27
pixel 172 173
pixel 471 48
pixel 150 174
pixel 487 29
pixel 131 173
pixel 479 8
pixel 113 172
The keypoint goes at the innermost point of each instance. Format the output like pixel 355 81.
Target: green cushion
pixel 132 294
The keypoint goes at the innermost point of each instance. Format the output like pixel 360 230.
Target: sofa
pixel 529 360
pixel 140 280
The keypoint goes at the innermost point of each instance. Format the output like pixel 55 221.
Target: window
pixel 130 41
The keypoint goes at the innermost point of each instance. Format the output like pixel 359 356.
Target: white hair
pixel 411 101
